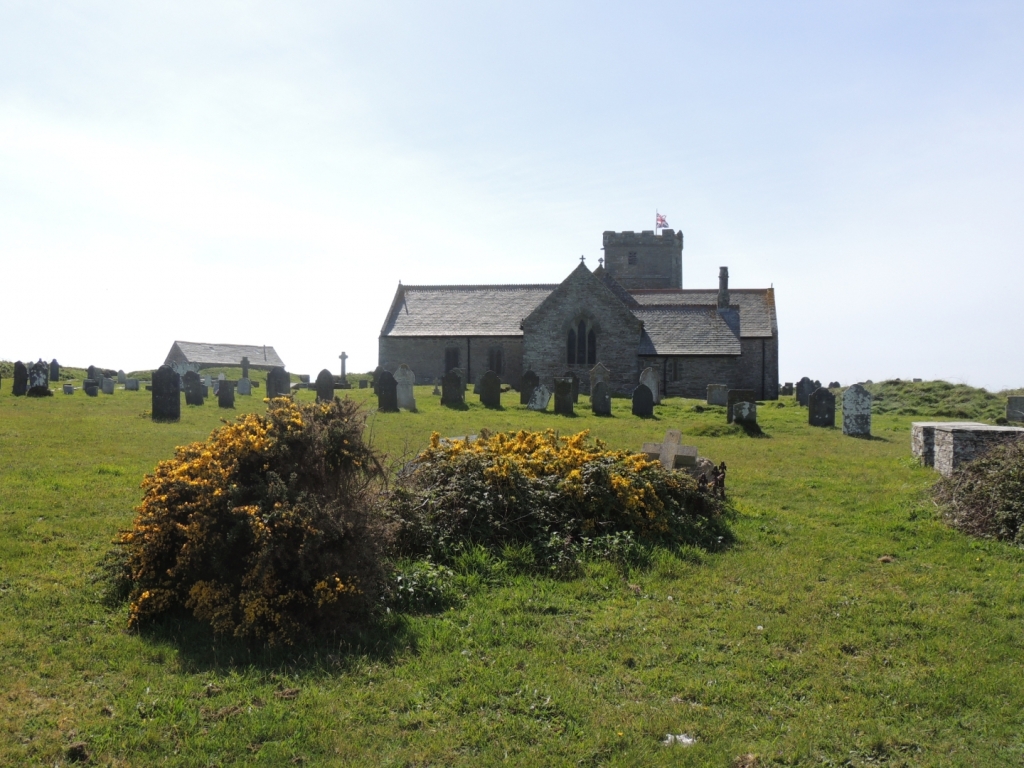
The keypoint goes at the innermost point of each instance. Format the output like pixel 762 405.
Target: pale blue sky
pixel 267 172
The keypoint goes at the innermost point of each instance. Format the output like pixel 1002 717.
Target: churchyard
pixel 840 623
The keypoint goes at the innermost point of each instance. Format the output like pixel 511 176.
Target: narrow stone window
pixel 581 343
pixel 571 351
pixel 591 348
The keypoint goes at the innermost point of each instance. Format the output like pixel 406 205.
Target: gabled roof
pixel 223 354
pixel 689 330
pixel 462 310
pixel 756 305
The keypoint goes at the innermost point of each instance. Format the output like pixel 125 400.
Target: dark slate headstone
pixel 131 385
pixel 304 378
pixel 738 396
pixel 324 386
pixel 527 384
pixel 387 392
pixel 363 383
pixel 821 408
pixel 39 380
pixel 451 389
pixel 571 375
pixel 245 367
pixel 833 385
pixel 376 378
pixel 643 402
pixel 107 386
pixel 193 388
pixel 563 396
pixel 20 386
pixel 166 394
pixel 600 400
pixel 54 370
pixel 278 383
pixel 787 389
pixel 745 413
pixel 226 394
pixel 490 390
pixel 804 387
pixel 69 389
pixel 93 373
pixel 121 377
pixel 91 387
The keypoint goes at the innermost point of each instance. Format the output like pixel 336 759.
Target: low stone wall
pixel 958 444
pixel 922 438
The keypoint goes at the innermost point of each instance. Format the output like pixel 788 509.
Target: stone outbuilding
pixel 199 355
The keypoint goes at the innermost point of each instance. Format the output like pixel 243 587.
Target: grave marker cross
pixel 670 453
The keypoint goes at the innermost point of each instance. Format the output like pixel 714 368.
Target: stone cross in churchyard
pixel 669 451
pixel 857 411
pixel 387 392
pixel 563 396
pixel 718 394
pixel 539 399
pixel 54 370
pixel 821 408
pixel 244 386
pixel 131 385
pixel 600 400
pixel 571 375
pixel 226 394
pixel 39 380
pixel 69 389
pixel 278 383
pixel 121 377
pixel 344 381
pixel 598 374
pixel 107 385
pixel 245 367
pixel 166 394
pixel 738 396
pixel 20 385
pixel 745 413
pixel 451 389
pixel 643 402
pixel 193 386
pixel 1015 409
pixel 405 380
pixel 527 384
pixel 90 387
pixel 324 386
pixel 649 378
pixel 804 387
pixel 490 390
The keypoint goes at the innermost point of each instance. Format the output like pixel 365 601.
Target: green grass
pixel 796 644
pixel 937 398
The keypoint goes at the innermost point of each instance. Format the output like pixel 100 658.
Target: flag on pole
pixel 660 222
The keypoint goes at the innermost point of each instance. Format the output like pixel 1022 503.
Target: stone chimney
pixel 723 287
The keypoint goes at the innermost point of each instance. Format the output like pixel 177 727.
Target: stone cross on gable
pixel 670 453
pixel 582 259
pixel 600 261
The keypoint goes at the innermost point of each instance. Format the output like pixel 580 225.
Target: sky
pixel 266 173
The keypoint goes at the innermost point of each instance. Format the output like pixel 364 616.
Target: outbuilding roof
pixel 756 305
pixel 210 355
pixel 462 310
pixel 689 330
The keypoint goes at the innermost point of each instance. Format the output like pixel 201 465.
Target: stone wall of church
pixel 644 259
pixel 426 355
pixel 689 375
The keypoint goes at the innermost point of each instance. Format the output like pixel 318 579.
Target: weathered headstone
pixel 121 377
pixel 451 389
pixel 1015 408
pixel 193 386
pixel 527 384
pixel 376 377
pixel 649 378
pixel 490 390
pixel 39 380
pixel 166 394
pixel 857 411
pixel 718 394
pixel 91 387
pixel 244 387
pixel 245 367
pixel 92 373
pixel 226 394
pixel 738 396
pixel 131 385
pixel 540 398
pixel 208 380
pixel 221 377
pixel 571 375
pixel 405 380
pixel 563 396
pixel 69 389
pixel 669 451
pixel 324 386
pixel 363 383
pixel 600 400
pixel 20 385
pixel 833 385
pixel 107 385
pixel 821 408
pixel 745 413
pixel 643 401
pixel 598 374
pixel 278 383
pixel 787 389
pixel 387 392
pixel 54 370
pixel 804 387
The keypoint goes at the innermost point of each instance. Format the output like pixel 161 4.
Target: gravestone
pixel 405 380
pixel 490 390
pixel 1015 409
pixel 540 398
pixel 69 389
pixel 376 377
pixel 451 389
pixel 304 379
pixel 226 394
pixel 107 385
pixel 571 375
pixel 527 384
pixel 278 383
pixel 166 394
pixel 363 383
pixel 206 391
pixel 91 387
pixel 20 386
pixel 649 378
pixel 216 386
pixel 437 387
pixel 387 392
pixel 745 413
pixel 54 370
pixel 121 377
pixel 669 451
pixel 39 380
pixel 244 386
pixel 833 385
pixel 857 411
pixel 324 386
pixel 208 380
pixel 131 385
pixel 598 374
pixel 643 402
pixel 563 396
pixel 804 387
pixel 193 386
pixel 787 389
pixel 600 400
pixel 718 394
pixel 462 377
pixel 821 408
pixel 245 367
pixel 738 396
pixel 92 373
pixel 221 377
pixel 343 384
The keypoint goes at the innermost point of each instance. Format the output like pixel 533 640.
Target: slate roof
pixel 224 354
pixel 756 305
pixel 462 310
pixel 689 330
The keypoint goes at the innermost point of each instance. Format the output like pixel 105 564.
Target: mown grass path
pixel 800 644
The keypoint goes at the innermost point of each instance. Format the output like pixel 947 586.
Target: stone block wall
pixel 689 375
pixel 922 438
pixel 425 355
pixel 959 444
pixel 657 259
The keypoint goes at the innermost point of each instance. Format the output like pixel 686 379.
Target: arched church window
pixel 571 350
pixel 591 348
pixel 581 343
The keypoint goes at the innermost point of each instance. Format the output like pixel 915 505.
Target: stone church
pixel 629 314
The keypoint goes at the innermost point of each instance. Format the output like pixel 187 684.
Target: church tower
pixel 645 260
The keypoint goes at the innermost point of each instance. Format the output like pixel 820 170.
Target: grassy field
pixel 844 626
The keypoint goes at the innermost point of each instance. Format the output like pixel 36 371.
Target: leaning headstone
pixel 857 411
pixel 193 386
pixel 226 394
pixel 1015 409
pixel 91 387
pixel 387 393
pixel 166 394
pixel 490 390
pixel 107 386
pixel 69 389
pixel 54 370
pixel 20 386
pixel 649 378
pixel 527 384
pixel 821 408
pixel 324 386
pixel 540 398
pixel 278 383
pixel 451 389
pixel 563 396
pixel 131 385
pixel 121 377
pixel 643 402
pixel 571 375
pixel 39 380
pixel 745 414
pixel 718 394
pixel 244 386
pixel 804 387
pixel 738 396
pixel 598 374
pixel 405 380
pixel 600 400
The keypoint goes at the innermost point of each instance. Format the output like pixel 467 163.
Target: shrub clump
pixel 263 531
pixel 553 495
pixel 985 498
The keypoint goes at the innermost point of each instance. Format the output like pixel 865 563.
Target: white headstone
pixel 650 378
pixel 541 398
pixel 406 379
pixel 207 380
pixel 222 377
pixel 857 411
